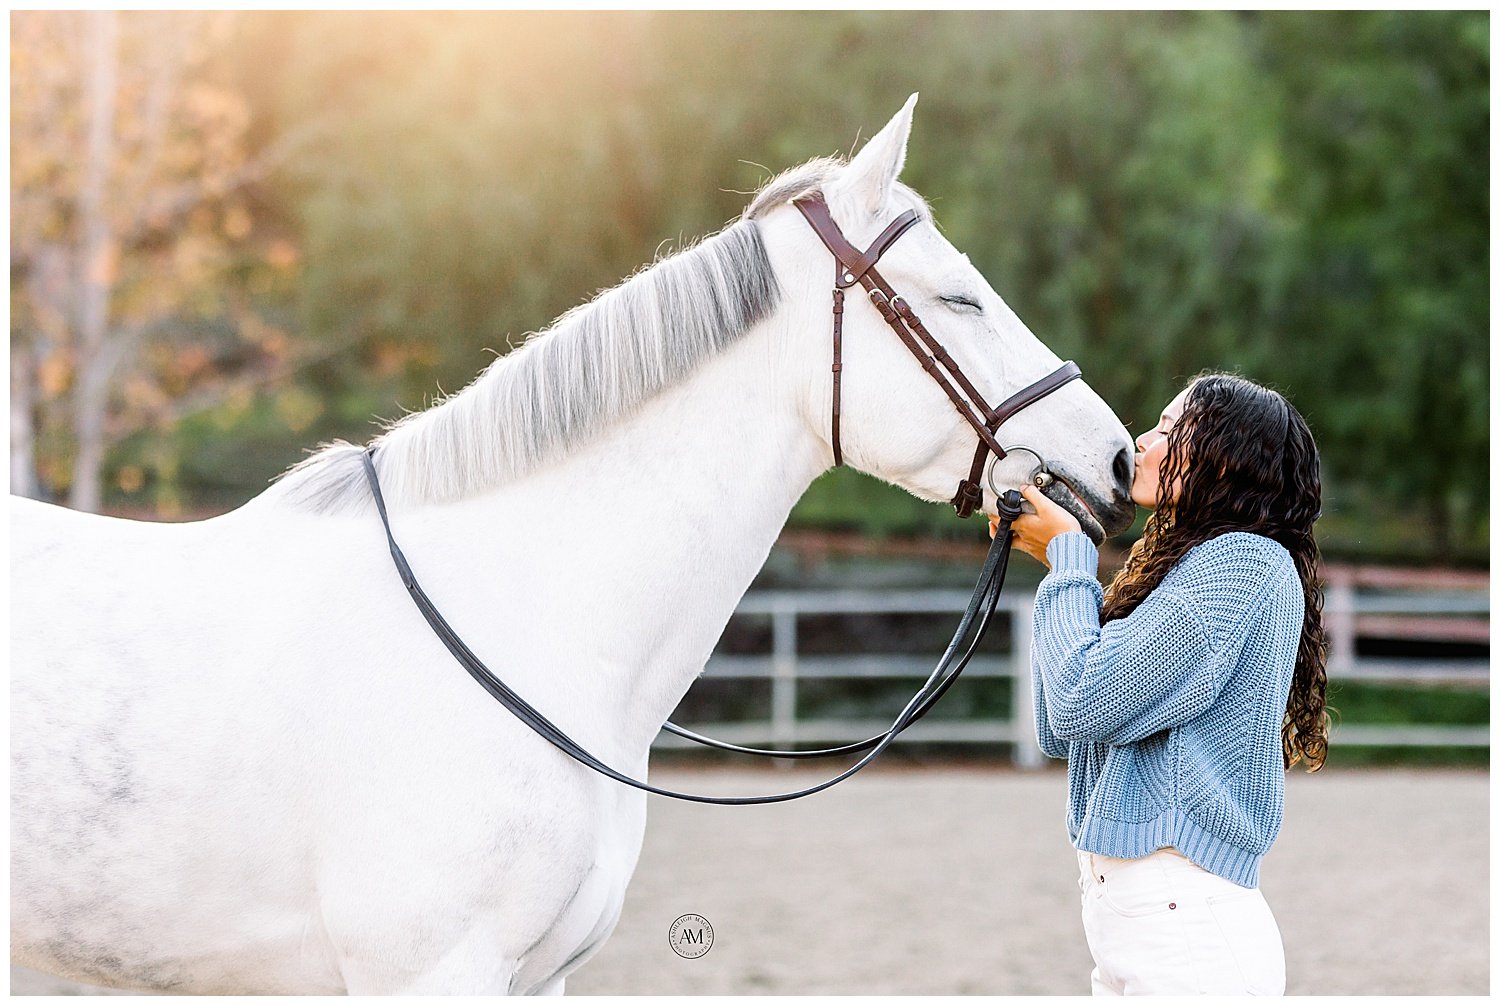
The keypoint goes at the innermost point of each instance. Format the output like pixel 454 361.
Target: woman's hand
pixel 1034 530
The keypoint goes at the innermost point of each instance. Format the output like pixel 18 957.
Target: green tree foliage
pixel 1383 300
pixel 1300 197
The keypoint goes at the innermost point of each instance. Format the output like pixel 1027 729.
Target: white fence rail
pixel 1430 615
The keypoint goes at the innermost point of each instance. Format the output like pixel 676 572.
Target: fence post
pixel 1340 617
pixel 784 674
pixel 1026 752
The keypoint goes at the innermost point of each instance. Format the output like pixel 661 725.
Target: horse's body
pixel 298 740
pixel 241 762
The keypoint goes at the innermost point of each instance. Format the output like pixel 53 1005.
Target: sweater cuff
pixel 1073 550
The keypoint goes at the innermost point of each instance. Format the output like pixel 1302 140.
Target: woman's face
pixel 1151 451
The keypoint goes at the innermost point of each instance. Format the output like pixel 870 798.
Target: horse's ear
pixel 868 179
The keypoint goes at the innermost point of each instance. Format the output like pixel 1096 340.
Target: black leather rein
pixel 981 607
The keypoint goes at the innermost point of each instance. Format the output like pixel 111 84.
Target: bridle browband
pixel 853 266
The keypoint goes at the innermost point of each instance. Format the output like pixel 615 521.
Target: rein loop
pixel 981 606
pixel 851 266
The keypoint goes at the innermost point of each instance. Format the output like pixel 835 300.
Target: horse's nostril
pixel 1122 467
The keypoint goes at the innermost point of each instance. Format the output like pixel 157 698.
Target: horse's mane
pixel 595 364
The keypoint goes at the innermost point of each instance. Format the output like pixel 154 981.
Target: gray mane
pixel 594 365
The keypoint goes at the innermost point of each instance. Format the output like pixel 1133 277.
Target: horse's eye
pixel 961 303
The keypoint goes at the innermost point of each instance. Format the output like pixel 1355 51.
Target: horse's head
pixel 896 422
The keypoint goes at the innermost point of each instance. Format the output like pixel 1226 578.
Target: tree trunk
pixel 23 480
pixel 98 253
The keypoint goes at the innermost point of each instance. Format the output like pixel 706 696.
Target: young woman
pixel 1182 693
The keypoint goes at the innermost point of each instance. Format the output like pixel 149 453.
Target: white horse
pixel 242 763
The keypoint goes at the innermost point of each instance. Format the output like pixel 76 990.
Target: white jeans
pixel 1162 925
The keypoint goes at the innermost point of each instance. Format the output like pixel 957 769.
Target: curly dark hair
pixel 1254 467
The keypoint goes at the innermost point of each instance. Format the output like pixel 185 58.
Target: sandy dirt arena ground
pixel 957 881
pixel 962 881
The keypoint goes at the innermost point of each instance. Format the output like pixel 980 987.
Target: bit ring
pixel 1041 477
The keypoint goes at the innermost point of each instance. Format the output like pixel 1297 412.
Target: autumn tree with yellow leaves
pixel 129 172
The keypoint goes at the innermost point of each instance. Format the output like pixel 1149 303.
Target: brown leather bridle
pixel 855 266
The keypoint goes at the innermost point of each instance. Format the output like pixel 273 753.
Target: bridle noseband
pixel 853 266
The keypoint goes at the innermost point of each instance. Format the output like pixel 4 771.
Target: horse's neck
pixel 653 531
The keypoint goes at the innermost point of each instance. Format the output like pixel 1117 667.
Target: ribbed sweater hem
pixel 1133 839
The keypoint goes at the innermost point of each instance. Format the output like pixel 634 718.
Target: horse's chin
pixel 1064 496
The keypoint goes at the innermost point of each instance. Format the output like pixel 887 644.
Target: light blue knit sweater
pixel 1170 718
